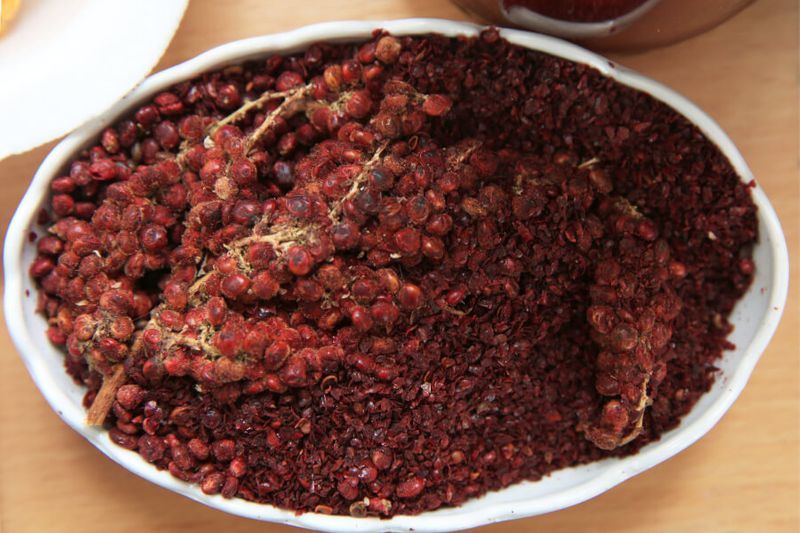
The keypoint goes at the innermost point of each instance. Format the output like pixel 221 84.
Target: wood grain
pixel 743 476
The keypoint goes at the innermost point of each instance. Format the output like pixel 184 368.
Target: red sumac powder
pixel 384 278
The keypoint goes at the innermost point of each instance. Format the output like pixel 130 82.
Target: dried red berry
pixel 411 488
pixel 407 241
pixel 388 49
pixel 153 237
pixel 299 260
pixel 234 285
pixel 437 105
pixel 361 318
pixel 410 296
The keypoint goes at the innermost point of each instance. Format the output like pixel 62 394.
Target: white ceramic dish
pixel 60 48
pixel 755 318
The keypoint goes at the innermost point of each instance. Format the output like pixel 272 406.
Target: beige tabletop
pixel 743 476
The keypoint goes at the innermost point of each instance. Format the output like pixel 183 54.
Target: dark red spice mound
pixel 385 278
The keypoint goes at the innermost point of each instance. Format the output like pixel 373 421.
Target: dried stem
pixel 358 181
pixel 196 286
pixel 453 311
pixel 456 160
pixel 590 163
pixel 626 207
pixel 199 344
pixel 285 108
pixel 335 106
pixel 283 236
pixel 247 106
pixel 105 396
pixel 644 401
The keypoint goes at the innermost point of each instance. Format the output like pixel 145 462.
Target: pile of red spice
pixel 384 278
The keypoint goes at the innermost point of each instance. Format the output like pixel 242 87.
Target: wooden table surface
pixel 743 476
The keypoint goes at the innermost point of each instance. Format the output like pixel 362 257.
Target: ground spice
pixel 384 278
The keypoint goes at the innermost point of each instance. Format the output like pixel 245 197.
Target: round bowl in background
pixel 619 25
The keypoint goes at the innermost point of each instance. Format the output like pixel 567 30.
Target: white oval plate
pixel 64 62
pixel 755 317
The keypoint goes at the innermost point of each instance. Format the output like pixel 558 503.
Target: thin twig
pixel 105 397
pixel 456 160
pixel 359 180
pixel 244 109
pixel 283 235
pixel 644 401
pixel 269 120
